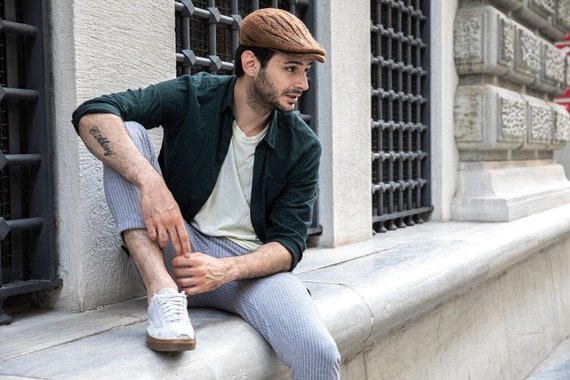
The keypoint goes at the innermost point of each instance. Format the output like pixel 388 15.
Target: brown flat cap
pixel 279 30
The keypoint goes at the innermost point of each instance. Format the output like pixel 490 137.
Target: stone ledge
pixel 365 292
pixel 503 191
pixel 397 278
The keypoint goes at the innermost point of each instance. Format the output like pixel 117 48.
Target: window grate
pixel 207 35
pixel 400 144
pixel 26 194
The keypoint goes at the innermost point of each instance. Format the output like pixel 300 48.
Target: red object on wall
pixel 564 45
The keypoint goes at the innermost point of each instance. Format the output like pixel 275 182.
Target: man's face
pixel 280 84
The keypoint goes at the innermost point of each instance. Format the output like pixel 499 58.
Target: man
pixel 222 214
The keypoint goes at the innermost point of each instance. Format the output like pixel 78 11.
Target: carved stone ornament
pixel 479 47
pixel 543 7
pixel 512 118
pixel 508 30
pixel 536 14
pixel 468 39
pixel 555 64
pixel 541 124
pixel 489 118
pixel 563 14
pixel 567 83
pixel 469 110
pixel 562 124
pixel 528 58
pixel 553 73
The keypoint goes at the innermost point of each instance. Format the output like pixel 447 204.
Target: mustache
pixel 294 93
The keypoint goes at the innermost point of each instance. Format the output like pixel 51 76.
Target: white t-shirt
pixel 226 212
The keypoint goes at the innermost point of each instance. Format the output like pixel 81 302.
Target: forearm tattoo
pixel 102 140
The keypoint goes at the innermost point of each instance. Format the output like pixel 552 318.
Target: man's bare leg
pixel 169 327
pixel 149 260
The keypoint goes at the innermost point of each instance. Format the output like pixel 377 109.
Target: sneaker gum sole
pixel 170 345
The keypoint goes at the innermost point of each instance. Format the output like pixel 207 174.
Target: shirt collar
pixel 271 136
pixel 229 98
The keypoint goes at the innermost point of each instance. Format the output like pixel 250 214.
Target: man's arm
pixel 198 273
pixel 106 137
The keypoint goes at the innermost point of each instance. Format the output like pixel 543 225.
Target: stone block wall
pixel 509 71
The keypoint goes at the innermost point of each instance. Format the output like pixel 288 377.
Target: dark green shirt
pixel 196 115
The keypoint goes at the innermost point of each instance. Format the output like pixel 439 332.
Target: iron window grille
pixel 207 35
pixel 26 194
pixel 400 134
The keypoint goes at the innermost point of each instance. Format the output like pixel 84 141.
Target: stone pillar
pixel 506 123
pixel 97 48
pixel 343 111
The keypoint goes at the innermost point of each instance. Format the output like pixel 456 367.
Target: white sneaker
pixel 169 327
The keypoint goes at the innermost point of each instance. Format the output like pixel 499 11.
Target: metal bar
pixel 235 27
pixel 14 111
pixel 18 28
pixel 19 159
pixel 17 225
pixel 202 62
pixel 398 129
pixel 23 287
pixel 11 93
pixel 403 214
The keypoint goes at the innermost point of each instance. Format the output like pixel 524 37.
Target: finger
pixel 162 237
pixel 184 239
pixel 151 230
pixel 175 240
pixel 180 262
pixel 184 279
pixel 192 290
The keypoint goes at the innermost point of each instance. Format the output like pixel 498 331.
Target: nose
pixel 302 82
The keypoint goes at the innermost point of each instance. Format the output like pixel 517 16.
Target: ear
pixel 250 63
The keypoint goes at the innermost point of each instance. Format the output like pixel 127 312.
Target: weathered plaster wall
pixel 98 47
pixel 343 110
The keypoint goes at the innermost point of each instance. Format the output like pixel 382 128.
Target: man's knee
pixel 316 359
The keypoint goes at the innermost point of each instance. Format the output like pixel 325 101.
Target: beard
pixel 263 97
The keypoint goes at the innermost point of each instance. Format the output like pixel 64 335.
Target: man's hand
pixel 162 216
pixel 198 273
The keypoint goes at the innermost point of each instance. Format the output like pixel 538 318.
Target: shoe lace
pixel 173 308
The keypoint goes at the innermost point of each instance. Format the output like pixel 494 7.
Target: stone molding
pixel 488 117
pixel 503 191
pixel 488 42
pixel 506 125
pixel 550 17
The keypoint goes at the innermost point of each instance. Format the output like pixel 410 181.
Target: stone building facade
pixel 479 290
pixel 506 123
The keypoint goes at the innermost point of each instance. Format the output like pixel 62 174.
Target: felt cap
pixel 278 30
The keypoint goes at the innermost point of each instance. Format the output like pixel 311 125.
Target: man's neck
pixel 247 120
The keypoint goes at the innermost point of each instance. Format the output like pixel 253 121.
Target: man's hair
pixel 263 55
